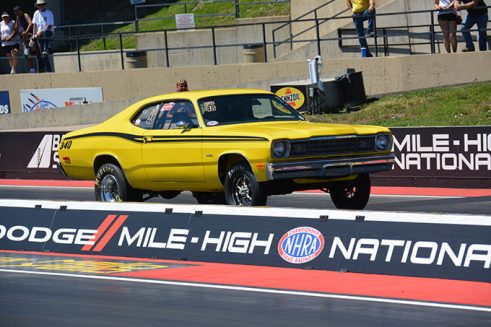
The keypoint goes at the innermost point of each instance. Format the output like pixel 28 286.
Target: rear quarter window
pixel 146 117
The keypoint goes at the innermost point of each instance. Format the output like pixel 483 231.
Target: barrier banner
pixel 42 99
pixel 4 103
pixel 441 157
pixel 431 157
pixel 436 250
pixel 29 154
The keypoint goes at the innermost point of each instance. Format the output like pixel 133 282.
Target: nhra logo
pixel 301 245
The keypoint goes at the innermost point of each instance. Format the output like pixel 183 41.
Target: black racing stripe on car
pixel 173 138
pixel 129 137
pixel 204 140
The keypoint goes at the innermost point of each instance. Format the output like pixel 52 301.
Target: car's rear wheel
pixel 111 185
pixel 242 187
pixel 209 197
pixel 353 194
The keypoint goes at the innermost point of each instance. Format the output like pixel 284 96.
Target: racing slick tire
pixel 242 187
pixel 209 197
pixel 352 195
pixel 111 186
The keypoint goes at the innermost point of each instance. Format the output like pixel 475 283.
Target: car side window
pixel 174 112
pixel 147 116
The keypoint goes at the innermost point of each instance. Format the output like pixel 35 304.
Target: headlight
pixel 383 142
pixel 280 149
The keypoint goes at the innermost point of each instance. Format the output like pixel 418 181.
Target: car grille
pixel 332 146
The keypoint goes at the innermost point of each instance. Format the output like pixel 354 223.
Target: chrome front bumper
pixel 337 167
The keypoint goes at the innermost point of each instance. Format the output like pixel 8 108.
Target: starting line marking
pixel 260 290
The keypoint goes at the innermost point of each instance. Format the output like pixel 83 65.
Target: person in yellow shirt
pixel 363 10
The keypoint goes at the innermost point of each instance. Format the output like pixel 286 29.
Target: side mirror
pixel 183 125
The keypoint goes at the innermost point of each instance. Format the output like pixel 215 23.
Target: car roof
pixel 195 95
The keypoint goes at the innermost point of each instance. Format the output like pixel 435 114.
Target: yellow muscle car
pixel 234 146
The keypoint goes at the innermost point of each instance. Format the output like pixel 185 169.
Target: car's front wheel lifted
pixel 353 194
pixel 111 186
pixel 242 187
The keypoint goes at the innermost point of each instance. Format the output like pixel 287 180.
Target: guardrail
pixel 318 22
pixel 104 28
pixel 385 38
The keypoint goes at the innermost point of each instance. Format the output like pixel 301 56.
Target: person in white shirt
pixel 10 40
pixel 44 23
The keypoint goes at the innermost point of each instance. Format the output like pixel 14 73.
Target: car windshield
pixel 245 108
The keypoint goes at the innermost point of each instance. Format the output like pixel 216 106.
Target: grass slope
pixel 164 19
pixel 462 105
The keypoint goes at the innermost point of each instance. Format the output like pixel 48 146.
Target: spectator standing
pixel 10 41
pixel 477 13
pixel 363 10
pixel 24 28
pixel 447 18
pixel 182 85
pixel 44 23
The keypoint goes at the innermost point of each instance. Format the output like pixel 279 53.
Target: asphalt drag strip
pixel 473 204
pixel 69 290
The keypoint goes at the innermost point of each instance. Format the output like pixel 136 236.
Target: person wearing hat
pixel 10 41
pixel 44 23
pixel 24 27
pixel 182 85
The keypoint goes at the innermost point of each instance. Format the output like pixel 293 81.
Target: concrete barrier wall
pixel 403 244
pixel 381 76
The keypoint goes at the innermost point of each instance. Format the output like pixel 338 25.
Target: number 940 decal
pixel 65 145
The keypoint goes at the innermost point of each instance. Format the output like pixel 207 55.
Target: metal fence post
pixel 137 25
pixel 274 45
pixel 375 40
pixel 78 55
pixel 121 50
pixel 237 9
pixel 166 44
pixel 318 34
pixel 432 32
pixel 215 61
pixel 265 43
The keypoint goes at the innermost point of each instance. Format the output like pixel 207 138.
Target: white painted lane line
pixel 46 187
pixel 260 290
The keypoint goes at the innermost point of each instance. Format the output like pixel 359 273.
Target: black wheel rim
pixel 349 192
pixel 109 190
pixel 242 191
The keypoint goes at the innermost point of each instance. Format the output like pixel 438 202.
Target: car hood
pixel 294 130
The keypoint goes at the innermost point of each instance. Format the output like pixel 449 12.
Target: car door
pixel 172 150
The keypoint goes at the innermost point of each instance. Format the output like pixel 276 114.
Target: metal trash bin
pixel 253 53
pixel 136 59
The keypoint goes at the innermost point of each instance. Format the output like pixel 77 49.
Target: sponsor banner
pixel 43 99
pixel 29 154
pixel 437 250
pixel 454 155
pixel 433 157
pixel 293 96
pixel 5 103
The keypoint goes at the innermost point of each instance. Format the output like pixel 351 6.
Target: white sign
pixel 184 21
pixel 42 99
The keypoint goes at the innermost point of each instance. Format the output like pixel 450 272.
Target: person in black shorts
pixel 10 41
pixel 24 27
pixel 447 18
